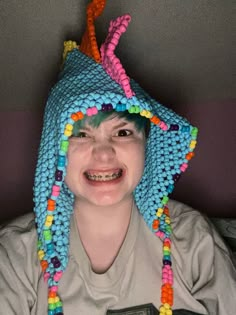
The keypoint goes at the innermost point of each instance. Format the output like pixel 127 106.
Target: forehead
pixel 111 121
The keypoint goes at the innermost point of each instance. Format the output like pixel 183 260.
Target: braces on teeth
pixel 106 177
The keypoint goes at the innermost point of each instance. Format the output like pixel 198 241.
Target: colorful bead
pixel 74 117
pixel 40 254
pixel 106 107
pixel 183 167
pixel 59 175
pixel 61 160
pixel 92 111
pixel 193 144
pixel 163 126
pixel 173 127
pixel 80 115
pixel 194 131
pixel 58 275
pixel 185 129
pixel 155 120
pixel 165 199
pixel 68 46
pixel 49 219
pixel 155 224
pixel 189 156
pixel 55 261
pixel 51 205
pixel 46 276
pixel 64 146
pixel 176 177
pixel 44 265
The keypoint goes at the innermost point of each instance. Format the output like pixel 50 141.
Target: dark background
pixel 182 52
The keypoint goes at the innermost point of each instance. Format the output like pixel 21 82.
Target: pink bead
pixel 55 188
pixel 183 167
pixel 165 127
pixel 111 46
pixel 171 282
pixel 89 112
pixel 55 193
pixel 57 275
pixel 46 276
pixel 54 288
pixel 94 110
pixel 159 234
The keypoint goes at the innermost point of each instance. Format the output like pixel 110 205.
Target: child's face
pixel 106 163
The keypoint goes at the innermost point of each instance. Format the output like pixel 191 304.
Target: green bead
pixel 58 304
pixel 64 145
pixel 194 131
pixel 165 199
pixel 131 109
pixel 52 306
pixel 137 109
pixel 47 235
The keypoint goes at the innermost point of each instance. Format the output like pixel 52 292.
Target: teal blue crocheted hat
pixel 92 82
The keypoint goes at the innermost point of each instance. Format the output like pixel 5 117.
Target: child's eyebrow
pixel 85 128
pixel 122 124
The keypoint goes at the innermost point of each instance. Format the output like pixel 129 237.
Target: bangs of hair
pixel 141 123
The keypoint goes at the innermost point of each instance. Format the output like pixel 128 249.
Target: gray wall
pixel 181 51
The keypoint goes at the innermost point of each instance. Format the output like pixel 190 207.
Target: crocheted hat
pixel 93 81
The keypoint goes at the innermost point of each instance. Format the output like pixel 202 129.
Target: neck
pixel 102 231
pixel 103 220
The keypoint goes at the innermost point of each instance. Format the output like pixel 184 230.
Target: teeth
pixel 104 177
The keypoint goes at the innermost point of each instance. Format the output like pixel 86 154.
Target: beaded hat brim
pixel 84 87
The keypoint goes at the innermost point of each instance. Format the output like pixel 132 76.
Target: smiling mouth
pixel 103 176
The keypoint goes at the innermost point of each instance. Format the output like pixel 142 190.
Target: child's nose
pixel 104 151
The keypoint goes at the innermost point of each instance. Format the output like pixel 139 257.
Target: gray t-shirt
pixel 204 274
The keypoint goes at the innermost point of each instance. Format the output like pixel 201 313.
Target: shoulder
pixel 18 239
pixel 19 229
pixel 185 219
pixel 194 233
pixel 194 237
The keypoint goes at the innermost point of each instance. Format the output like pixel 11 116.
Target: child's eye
pixel 81 134
pixel 123 133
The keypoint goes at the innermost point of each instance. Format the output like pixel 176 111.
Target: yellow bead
pixel 68 46
pixel 49 218
pixel 143 112
pixel 51 300
pixel 193 144
pixel 166 306
pixel 48 224
pixel 169 312
pixel 56 299
pixel 69 127
pixel 40 254
pixel 149 115
pixel 67 133
pixel 166 248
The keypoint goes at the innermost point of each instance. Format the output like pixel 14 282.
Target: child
pixel 109 157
